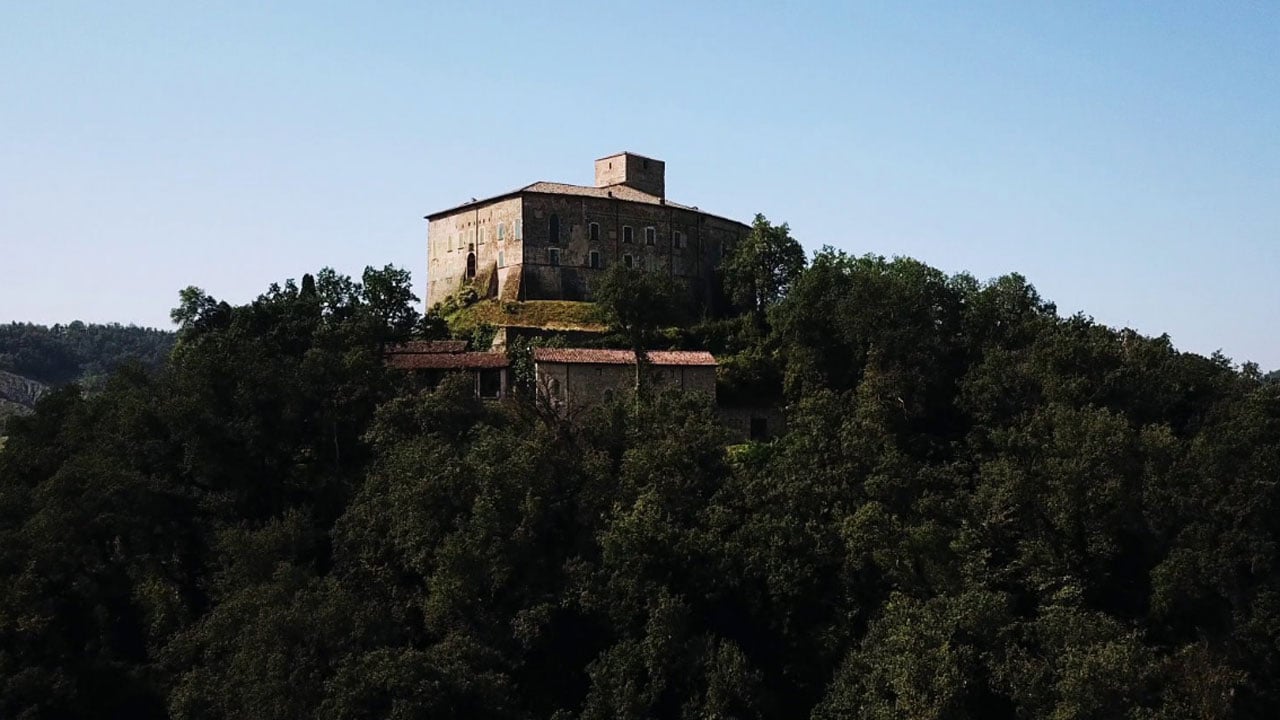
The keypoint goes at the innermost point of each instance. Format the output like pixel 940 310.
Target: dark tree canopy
pixel 78 352
pixel 979 510
pixel 762 266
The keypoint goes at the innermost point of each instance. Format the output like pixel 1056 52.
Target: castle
pixel 549 241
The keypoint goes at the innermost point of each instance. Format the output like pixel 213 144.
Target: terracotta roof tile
pixel 447 361
pixel 592 356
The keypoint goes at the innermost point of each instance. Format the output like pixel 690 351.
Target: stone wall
pixel 581 385
pixel 511 241
pixel 490 231
pixel 642 173
pixel 738 421
pixel 690 260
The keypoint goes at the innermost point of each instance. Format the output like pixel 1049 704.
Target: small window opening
pixel 677 238
pixel 594 231
pixel 627 234
pixel 519 229
pixel 759 428
pixel 553 256
pixel 502 231
pixel 650 236
pixel 595 259
pixel 501 263
pixel 490 383
pixel 553 228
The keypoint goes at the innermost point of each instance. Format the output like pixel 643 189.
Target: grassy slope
pixel 549 314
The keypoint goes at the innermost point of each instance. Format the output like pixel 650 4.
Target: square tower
pixel 635 171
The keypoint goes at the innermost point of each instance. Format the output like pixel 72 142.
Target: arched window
pixel 553 228
pixel 471 265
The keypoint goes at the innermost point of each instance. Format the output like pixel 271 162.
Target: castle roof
pixel 625 193
pixel 592 356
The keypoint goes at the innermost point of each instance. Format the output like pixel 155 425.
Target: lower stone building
pixel 573 379
pixel 431 361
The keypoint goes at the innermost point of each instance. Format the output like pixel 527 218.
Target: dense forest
pixel 36 357
pixel 78 352
pixel 979 509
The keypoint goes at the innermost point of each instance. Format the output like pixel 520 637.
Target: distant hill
pixel 34 357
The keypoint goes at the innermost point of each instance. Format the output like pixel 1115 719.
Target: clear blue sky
pixel 1125 157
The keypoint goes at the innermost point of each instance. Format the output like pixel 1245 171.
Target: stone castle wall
pixel 491 231
pixel 691 262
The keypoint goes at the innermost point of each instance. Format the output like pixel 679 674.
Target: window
pixel 519 229
pixel 677 238
pixel 482 234
pixel 628 261
pixel 595 259
pixel 759 428
pixel 626 234
pixel 502 231
pixel 471 265
pixel 448 244
pixel 500 260
pixel 490 383
pixel 553 228
pixel 594 230
pixel 553 256
pixel 650 236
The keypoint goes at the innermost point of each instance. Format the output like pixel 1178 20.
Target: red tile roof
pixel 448 361
pixel 591 356
pixel 429 346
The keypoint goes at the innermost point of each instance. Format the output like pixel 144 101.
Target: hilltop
pixel 34 358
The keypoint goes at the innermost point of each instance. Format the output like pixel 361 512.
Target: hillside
pixel 78 352
pixel 36 357
pixel 978 509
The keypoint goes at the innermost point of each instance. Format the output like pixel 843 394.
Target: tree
pixel 762 267
pixel 635 304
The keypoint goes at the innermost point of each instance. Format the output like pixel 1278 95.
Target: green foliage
pixel 78 352
pixel 635 303
pixel 979 510
pixel 762 267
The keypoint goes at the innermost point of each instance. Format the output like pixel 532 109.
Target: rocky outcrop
pixel 18 394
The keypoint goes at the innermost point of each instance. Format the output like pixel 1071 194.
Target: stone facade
pixel 549 241
pixel 576 379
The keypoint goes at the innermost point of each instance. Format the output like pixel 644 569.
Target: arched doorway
pixel 471 265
